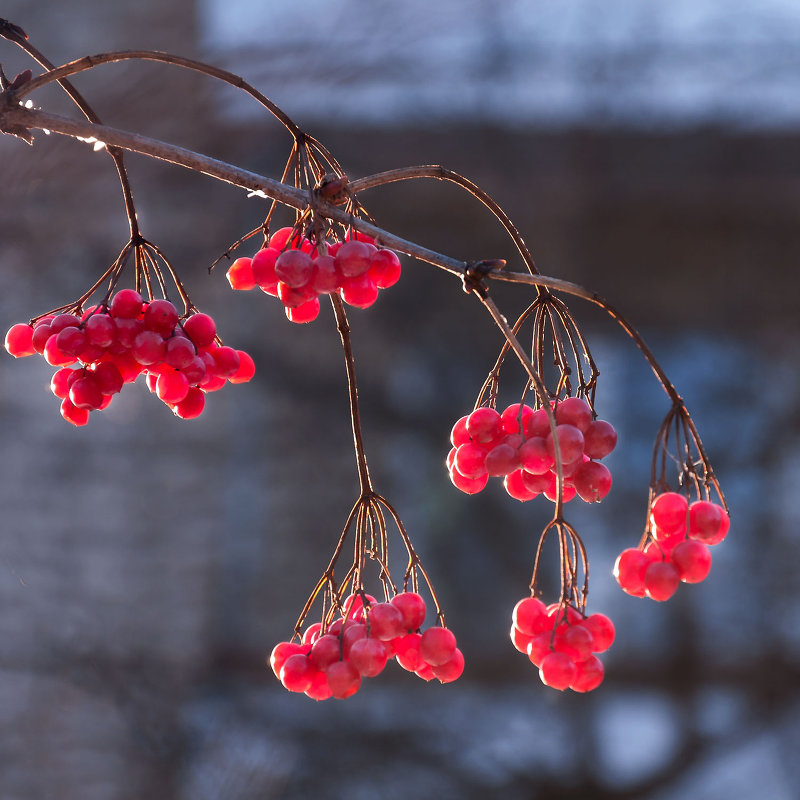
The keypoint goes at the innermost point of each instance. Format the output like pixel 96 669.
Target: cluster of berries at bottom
pixel 562 643
pixel 113 344
pixel 679 548
pixel 298 271
pixel 360 643
pixel 517 445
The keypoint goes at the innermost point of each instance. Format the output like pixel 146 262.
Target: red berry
pixel 71 340
pixel 325 651
pixel 459 434
pixel 19 340
pixel 226 361
pixel 515 414
pixel 179 352
pixel 592 481
pixel 501 459
pixel 240 274
pixel 325 280
pixel 280 238
pixel 574 411
pixel 574 640
pixel 668 513
pixel 84 392
pixel 599 439
pixel 247 368
pixel 693 560
pixel 280 653
pixel 705 521
pixel 385 621
pixel 353 258
pixel 172 386
pixel 359 290
pixel 263 267
pixel 149 348
pixel 570 440
pixel 292 298
pixel 519 639
pixel 160 316
pixel 412 609
pixel 557 670
pixel 629 571
pixel 407 652
pixel 452 669
pixel 514 484
pixel 201 329
pixel 588 675
pixel 602 630
pixel 73 414
pixel 384 268
pixel 468 485
pixel 661 579
pixel 368 656
pixel 100 330
pixel 484 425
pixel 297 672
pixel 294 268
pixel 305 312
pixel 343 679
pixel 530 616
pixel 470 460
pixel 539 647
pixel 40 335
pixel 535 456
pixel 319 689
pixel 61 381
pixel 54 356
pixel 126 304
pixel 437 646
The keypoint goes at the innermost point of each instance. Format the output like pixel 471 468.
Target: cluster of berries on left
pixel 112 344
pixel 360 642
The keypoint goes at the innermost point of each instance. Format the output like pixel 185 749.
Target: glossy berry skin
pixel 661 579
pixel 588 675
pixel 240 274
pixel 692 559
pixel 353 258
pixel 294 268
pixel 384 268
pixel 297 673
pixel 368 656
pixel 280 653
pixel 343 678
pixel 437 646
pixel 407 652
pixel 592 481
pixel 705 521
pixel 470 460
pixel 412 610
pixel 19 340
pixel 452 669
pixel 468 485
pixel 629 571
pixel 668 513
pixel 530 616
pixel 602 630
pixel 570 439
pixel 201 329
pixel 557 670
pixel 574 411
pixel 599 439
pixel 484 425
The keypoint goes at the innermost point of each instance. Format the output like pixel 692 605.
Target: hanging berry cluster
pixel 549 441
pixel 297 271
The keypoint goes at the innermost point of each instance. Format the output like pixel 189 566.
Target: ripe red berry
pixel 368 656
pixel 172 386
pixel 484 425
pixel 240 274
pixel 263 267
pixel 470 460
pixel 437 646
pixel 325 280
pixel 599 439
pixel 201 329
pixel 100 329
pixel 693 560
pixel 294 268
pixel 280 653
pixel 570 440
pixel 305 312
pixel 84 392
pixel 501 459
pixel 705 521
pixel 385 621
pixel 602 630
pixel 407 652
pixel 297 672
pixel 343 679
pixel 384 268
pixel 73 414
pixel 668 513
pixel 516 419
pixel 126 304
pixel 588 675
pixel 359 290
pixel 452 669
pixel 530 616
pixel 148 347
pixel 325 651
pixel 516 487
pixel 19 340
pixel 592 481
pixel 412 610
pixel 574 411
pixel 353 258
pixel 160 316
pixel 557 670
pixel 468 485
pixel 629 571
pixel 535 457
pixel 661 579
pixel 247 368
pixel 319 689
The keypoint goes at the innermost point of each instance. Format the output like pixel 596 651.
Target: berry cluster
pixel 359 643
pixel 679 548
pixel 113 344
pixel 562 643
pixel 298 271
pixel 517 445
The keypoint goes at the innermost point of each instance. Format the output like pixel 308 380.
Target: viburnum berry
pixel 368 656
pixel 661 579
pixel 574 411
pixel 437 646
pixel 297 672
pixel 452 669
pixel 668 513
pixel 240 274
pixel 692 559
pixel 588 675
pixel 629 571
pixel 19 340
pixel 557 670
pixel 530 616
pixel 412 609
pixel 200 328
pixel 484 425
pixel 344 679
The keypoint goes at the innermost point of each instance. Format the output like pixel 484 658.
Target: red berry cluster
pixel 679 548
pixel 297 271
pixel 518 446
pixel 359 644
pixel 113 344
pixel 562 643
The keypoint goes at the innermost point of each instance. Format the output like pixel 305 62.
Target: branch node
pixel 476 271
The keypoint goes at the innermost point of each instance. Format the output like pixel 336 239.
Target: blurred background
pixel 148 565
